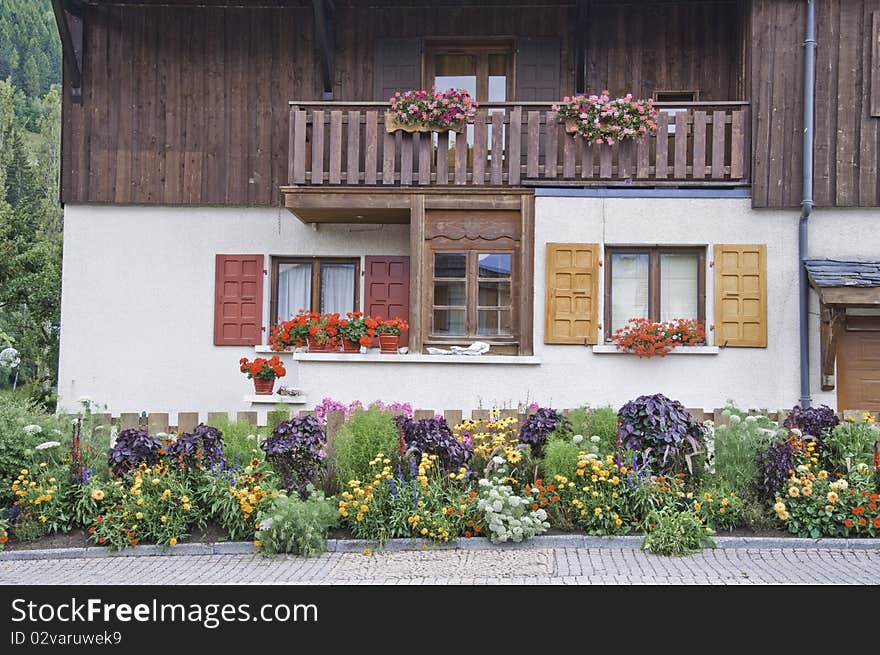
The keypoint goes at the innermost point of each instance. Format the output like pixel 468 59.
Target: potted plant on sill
pixel 646 338
pixel 356 330
pixel 263 372
pixel 389 334
pixel 601 119
pixel 430 111
pixel 291 334
pixel 323 332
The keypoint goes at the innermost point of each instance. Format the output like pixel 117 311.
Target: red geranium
pixel 646 338
pixel 265 369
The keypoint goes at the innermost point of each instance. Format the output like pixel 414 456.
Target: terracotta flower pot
pixel 264 387
pixel 350 347
pixel 388 343
pixel 315 347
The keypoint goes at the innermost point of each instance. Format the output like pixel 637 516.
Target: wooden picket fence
pixel 156 422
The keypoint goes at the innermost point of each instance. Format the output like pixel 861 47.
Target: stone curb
pixel 402 545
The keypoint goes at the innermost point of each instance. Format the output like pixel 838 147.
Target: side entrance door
pixel 858 364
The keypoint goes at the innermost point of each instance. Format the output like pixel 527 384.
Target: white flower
pixel 9 358
pixel 540 514
pixel 595 438
pixel 251 437
pixel 32 429
pixel 591 456
pixel 535 490
pixel 47 444
pixel 751 419
pixel 498 460
pixel 577 438
pixel 797 432
pixel 734 419
pixel 483 482
pixel 803 468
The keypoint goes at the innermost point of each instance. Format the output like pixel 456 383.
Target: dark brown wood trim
pixel 526 287
pixel 417 264
pixel 654 278
pixel 315 263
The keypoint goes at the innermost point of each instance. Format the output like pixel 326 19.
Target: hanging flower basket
pixel 602 120
pixel 430 111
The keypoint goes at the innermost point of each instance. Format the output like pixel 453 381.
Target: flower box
pixel 430 111
pixel 393 125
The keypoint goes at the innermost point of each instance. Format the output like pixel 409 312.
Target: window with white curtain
pixel 660 284
pixel 325 285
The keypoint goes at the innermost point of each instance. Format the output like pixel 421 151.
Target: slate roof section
pixel 843 273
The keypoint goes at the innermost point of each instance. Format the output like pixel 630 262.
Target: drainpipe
pixel 807 202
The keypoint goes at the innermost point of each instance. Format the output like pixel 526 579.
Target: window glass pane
pixel 494 264
pixel 449 294
pixel 337 288
pixel 678 286
pixel 497 77
pixel 494 294
pixel 629 288
pixel 449 322
pixel 493 322
pixel 294 290
pixel 450 264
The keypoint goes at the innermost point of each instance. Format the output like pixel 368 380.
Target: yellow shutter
pixel 741 295
pixel 571 293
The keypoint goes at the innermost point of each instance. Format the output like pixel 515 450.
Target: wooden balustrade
pixel 516 144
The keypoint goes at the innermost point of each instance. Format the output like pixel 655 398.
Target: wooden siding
pixel 666 46
pixel 186 105
pixel 846 140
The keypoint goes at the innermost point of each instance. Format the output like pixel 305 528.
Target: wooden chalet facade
pixel 232 127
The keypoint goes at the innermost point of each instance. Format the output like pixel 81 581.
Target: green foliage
pixel 850 443
pixel 560 458
pixel 602 421
pixel 738 446
pixel 241 440
pixel 676 533
pixel 30 51
pixel 365 433
pixel 296 526
pixel 719 508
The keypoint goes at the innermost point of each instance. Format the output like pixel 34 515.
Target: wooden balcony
pixel 698 144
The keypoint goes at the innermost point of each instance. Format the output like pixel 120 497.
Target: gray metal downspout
pixel 807 202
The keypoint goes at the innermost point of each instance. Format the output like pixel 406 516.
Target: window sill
pixel 416 359
pixel 607 349
pixel 275 399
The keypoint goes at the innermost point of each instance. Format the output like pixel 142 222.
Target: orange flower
pixel 534 505
pixel 848 523
pixel 874 497
pixel 3 539
pixel 468 534
pixel 862 521
pixel 876 523
pixel 555 499
pixel 858 511
pixel 872 507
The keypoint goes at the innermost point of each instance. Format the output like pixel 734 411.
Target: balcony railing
pixel 516 144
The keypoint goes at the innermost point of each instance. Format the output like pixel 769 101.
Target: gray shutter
pixel 398 67
pixel 538 60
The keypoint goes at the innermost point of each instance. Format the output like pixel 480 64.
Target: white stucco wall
pixel 137 309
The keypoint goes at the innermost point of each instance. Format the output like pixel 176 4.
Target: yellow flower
pixel 697 507
pixel 172 541
pixel 184 499
pixel 779 506
pixel 423 531
pixel 793 492
pixel 97 494
pixel 186 507
pixel 139 516
pixel 823 474
pixel 155 481
pixel 832 497
pixel 725 502
pixel 597 511
pixel 43 518
pixel 829 508
pixel 24 471
pixel 367 551
pixel 42 465
pixel 140 501
pixel 808 490
pixel 257 543
pixel 164 519
pixel 783 515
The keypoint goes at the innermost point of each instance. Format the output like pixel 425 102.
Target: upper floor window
pixel 660 284
pixel 324 285
pixel 484 70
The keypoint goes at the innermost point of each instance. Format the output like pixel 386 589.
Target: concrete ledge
pixel 474 543
pixel 681 350
pixel 377 358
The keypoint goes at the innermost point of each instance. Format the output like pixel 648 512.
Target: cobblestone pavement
pixel 532 565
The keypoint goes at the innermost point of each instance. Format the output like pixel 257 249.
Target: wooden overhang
pixel 395 205
pixel 840 284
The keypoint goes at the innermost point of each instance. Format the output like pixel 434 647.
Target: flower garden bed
pixel 649 470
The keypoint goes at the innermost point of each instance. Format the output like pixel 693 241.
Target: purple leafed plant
pixel 661 428
pixel 295 451
pixel 133 448
pixel 538 427
pixel 204 447
pixel 776 463
pixel 432 436
pixel 812 420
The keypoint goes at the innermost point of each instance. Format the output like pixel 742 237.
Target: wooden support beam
pixel 851 296
pixel 325 38
pixel 832 323
pixel 582 45
pixel 70 29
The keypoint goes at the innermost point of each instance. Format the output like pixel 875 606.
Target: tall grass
pixel 365 434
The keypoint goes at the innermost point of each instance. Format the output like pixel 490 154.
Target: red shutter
pixel 238 300
pixel 386 289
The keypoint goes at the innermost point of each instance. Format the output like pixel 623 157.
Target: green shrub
pixel 365 434
pixel 241 440
pixel 738 447
pixel 560 458
pixel 677 533
pixel 602 421
pixel 296 526
pixel 849 444
pixel 719 508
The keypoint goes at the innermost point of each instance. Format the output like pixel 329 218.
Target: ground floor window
pixel 659 284
pixel 320 284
